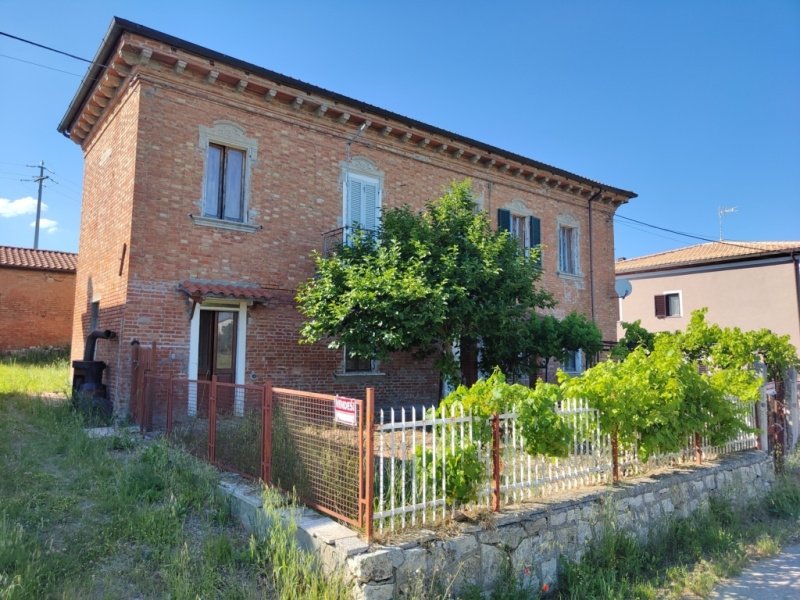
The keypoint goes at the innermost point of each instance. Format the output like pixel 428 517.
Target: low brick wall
pixel 534 536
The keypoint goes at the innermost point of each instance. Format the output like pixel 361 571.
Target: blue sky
pixel 693 105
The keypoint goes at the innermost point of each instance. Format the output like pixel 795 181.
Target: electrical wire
pixel 30 62
pixel 690 235
pixel 19 39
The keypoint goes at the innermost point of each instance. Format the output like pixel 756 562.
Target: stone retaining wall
pixel 534 536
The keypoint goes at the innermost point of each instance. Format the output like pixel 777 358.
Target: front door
pixel 217 345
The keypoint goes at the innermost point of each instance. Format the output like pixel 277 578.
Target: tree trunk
pixel 468 348
pixel 533 376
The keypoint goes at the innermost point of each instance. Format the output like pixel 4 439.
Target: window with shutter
pixel 362 208
pixel 661 306
pixel 668 305
pixel 526 229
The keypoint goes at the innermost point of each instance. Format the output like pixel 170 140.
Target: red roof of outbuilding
pixel 46 260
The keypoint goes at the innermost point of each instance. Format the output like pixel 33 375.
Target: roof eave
pixel 119 26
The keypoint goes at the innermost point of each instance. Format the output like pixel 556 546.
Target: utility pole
pixel 40 180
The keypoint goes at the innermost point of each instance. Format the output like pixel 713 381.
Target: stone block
pixel 491 562
pixel 512 535
pixel 373 591
pixel 377 565
pixel 413 568
pixel 536 525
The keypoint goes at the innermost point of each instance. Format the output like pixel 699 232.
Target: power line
pixel 19 39
pixel 30 62
pixel 689 235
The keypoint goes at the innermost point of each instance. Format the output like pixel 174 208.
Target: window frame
pixel 578 360
pixel 365 171
pixel 565 223
pixel 662 304
pixel 228 136
pixel 517 210
pixel 223 179
pixel 343 370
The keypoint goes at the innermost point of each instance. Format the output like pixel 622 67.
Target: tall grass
pixel 294 573
pixel 113 517
pixel 35 371
pixel 686 555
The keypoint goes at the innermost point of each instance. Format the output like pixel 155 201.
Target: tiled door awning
pixel 200 291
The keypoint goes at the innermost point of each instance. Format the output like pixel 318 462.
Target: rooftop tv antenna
pixel 722 211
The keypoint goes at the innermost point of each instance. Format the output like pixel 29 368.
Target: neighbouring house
pixel 209 182
pixel 750 285
pixel 37 293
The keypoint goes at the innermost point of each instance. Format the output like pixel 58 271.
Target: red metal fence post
pixel 368 483
pixel 496 466
pixel 212 421
pixel 614 457
pixel 169 406
pixel 266 433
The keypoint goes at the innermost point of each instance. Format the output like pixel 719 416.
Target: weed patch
pixel 688 555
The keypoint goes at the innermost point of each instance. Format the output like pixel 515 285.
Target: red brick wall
pixel 35 308
pixel 109 178
pixel 295 196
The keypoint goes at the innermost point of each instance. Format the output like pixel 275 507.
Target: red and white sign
pixel 344 410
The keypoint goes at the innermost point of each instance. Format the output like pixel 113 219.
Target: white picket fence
pixel 412 448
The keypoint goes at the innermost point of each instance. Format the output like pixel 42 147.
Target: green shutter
pixel 536 231
pixel 503 220
pixel 536 236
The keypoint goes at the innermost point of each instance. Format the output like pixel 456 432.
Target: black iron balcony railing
pixel 335 238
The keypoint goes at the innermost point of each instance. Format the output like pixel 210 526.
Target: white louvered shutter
pixel 370 203
pixel 354 202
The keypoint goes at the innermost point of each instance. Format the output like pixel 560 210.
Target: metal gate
pixel 142 361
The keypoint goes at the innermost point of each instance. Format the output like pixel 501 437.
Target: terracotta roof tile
pixel 28 258
pixel 710 252
pixel 223 290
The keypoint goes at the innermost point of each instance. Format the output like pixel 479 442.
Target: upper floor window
pixel 229 157
pixel 362 185
pixel 568 261
pixel 362 202
pixel 526 229
pixel 224 191
pixel 668 305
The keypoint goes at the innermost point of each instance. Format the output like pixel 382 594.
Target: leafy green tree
pixel 431 281
pixel 635 336
pixel 543 338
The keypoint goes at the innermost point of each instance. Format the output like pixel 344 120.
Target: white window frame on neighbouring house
pixel 568 236
pixel 361 178
pixel 228 159
pixel 669 304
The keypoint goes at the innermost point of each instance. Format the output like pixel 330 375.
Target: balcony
pixel 335 238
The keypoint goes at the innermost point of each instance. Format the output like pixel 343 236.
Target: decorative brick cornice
pixel 136 52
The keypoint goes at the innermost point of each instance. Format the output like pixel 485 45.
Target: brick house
pixel 37 292
pixel 750 285
pixel 209 182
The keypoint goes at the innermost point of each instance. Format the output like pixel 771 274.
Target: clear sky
pixel 692 104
